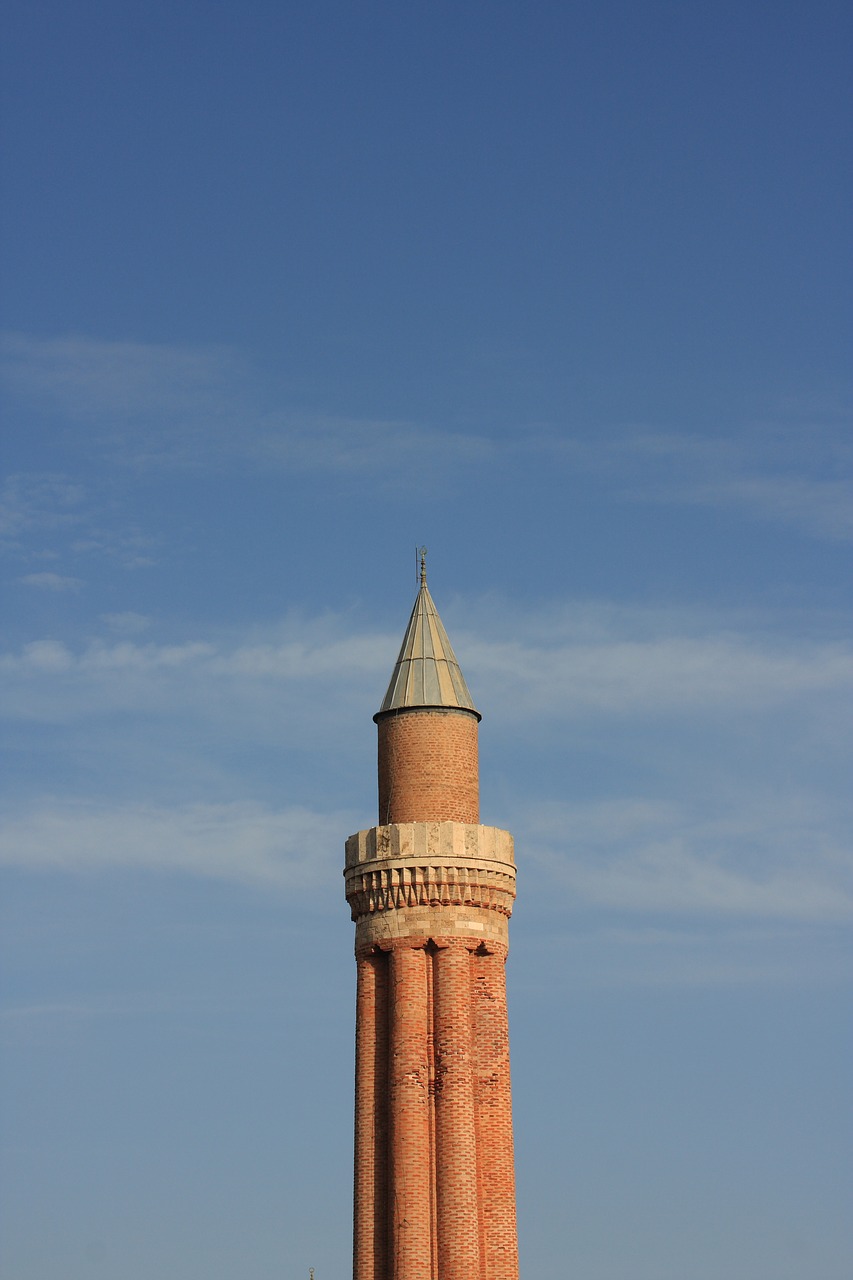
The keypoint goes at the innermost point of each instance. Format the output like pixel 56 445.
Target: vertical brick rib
pixel 433 1185
pixel 409 1206
pixel 370 1227
pixel 365 1199
pixel 494 1118
pixel 381 1116
pixel 456 1141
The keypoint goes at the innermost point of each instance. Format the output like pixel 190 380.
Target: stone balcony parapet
pixel 417 841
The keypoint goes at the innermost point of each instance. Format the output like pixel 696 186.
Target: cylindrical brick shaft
pixel 428 766
pixel 370 1226
pixel 493 1112
pixel 409 1199
pixel 458 1228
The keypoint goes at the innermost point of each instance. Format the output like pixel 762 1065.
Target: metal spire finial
pixel 421 553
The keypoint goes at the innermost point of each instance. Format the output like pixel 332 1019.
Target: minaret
pixel 431 891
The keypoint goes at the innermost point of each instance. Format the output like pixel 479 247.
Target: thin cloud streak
pixel 45 516
pixel 824 507
pixel 244 842
pixel 779 859
pixel 48 581
pixel 37 504
pixel 659 676
pixel 729 952
pixel 91 379
pixel 197 409
pixel 802 479
pixel 193 408
pixel 663 675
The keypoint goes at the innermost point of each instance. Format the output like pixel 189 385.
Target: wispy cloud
pixel 388 448
pixel 822 507
pixel 795 477
pixel 51 517
pixel 52 581
pixel 37 503
pixel 127 623
pixel 198 408
pixel 615 672
pixel 24 1016
pixel 88 378
pixel 779 857
pixel 245 842
pixel 659 675
pixel 618 662
pixel 719 950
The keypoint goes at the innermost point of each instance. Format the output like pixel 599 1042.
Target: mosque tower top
pixel 427 673
pixel 428 752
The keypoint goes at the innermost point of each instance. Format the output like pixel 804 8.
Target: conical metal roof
pixel 427 673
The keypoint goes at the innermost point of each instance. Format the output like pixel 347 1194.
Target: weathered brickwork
pixel 371 1221
pixel 431 892
pixel 496 1168
pixel 458 1224
pixel 434 1179
pixel 428 769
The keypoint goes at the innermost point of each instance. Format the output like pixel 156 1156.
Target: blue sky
pixel 561 291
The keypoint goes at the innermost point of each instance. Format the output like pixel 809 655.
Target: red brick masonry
pixel 434 1180
pixel 428 767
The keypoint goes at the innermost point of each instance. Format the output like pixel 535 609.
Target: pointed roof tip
pixel 427 673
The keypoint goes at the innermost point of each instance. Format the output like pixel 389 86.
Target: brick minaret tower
pixel 431 892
